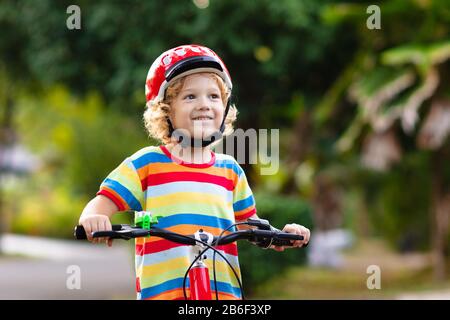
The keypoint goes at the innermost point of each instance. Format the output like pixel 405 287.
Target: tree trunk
pixel 6 138
pixel 440 218
pixel 299 145
pixel 327 204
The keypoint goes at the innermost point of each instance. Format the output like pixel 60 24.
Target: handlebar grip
pixel 80 234
pixel 286 239
pixel 281 243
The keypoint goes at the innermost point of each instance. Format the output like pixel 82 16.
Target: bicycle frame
pixel 200 286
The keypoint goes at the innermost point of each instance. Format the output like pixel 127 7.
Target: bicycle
pixel 263 236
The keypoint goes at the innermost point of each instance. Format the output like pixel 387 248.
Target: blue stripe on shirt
pixel 178 283
pixel 243 204
pixel 228 165
pixel 151 157
pixel 193 219
pixel 124 193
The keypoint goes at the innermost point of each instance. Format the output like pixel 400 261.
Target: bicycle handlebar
pixel 127 232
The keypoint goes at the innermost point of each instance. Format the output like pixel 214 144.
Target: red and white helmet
pixel 182 61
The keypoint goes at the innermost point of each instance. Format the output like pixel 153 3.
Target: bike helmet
pixel 178 62
pixel 181 61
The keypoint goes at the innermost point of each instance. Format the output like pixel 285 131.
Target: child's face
pixel 198 105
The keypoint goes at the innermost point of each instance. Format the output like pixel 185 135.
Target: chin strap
pixel 185 140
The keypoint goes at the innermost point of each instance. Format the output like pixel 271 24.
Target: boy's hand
pixel 297 229
pixel 96 222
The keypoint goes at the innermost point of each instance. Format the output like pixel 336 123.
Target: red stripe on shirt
pixel 162 245
pixel 245 215
pixel 161 178
pixel 113 197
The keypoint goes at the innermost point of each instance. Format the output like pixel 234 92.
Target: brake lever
pixel 261 224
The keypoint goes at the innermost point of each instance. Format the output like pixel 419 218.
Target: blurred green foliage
pixel 400 71
pixel 400 211
pixel 79 141
pixel 274 48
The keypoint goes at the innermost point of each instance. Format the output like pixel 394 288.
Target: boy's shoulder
pixel 225 157
pixel 145 153
pixel 229 161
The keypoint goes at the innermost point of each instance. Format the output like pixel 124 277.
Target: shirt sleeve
pixel 243 201
pixel 123 186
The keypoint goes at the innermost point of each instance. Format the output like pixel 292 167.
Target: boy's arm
pixel 96 217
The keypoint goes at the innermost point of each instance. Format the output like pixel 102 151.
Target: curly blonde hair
pixel 157 113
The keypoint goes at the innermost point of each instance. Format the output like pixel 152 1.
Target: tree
pixel 405 80
pixel 397 79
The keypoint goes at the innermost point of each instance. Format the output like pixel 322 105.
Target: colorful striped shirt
pixel 209 196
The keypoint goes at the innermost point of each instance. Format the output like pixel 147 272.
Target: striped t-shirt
pixel 209 196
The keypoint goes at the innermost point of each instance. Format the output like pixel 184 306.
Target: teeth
pixel 202 118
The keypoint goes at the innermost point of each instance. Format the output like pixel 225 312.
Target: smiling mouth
pixel 202 118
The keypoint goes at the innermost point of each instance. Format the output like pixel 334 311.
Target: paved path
pixel 443 294
pixel 39 268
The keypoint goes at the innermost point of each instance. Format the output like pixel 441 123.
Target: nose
pixel 203 103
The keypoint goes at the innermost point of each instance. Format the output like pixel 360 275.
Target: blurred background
pixel 360 94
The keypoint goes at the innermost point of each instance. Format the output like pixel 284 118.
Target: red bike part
pixel 200 286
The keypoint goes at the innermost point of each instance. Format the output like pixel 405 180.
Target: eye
pixel 189 97
pixel 215 96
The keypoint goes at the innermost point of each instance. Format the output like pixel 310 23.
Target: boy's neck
pixel 190 154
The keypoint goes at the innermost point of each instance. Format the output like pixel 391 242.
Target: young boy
pixel 188 109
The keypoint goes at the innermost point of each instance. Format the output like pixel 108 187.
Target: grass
pixel 400 274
